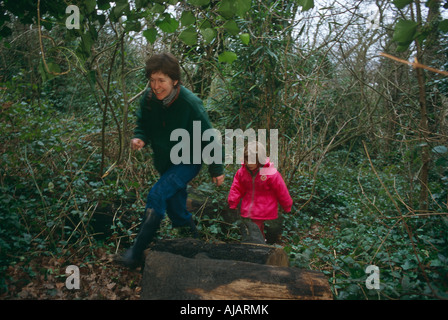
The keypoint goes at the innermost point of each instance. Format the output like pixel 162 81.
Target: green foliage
pixel 400 4
pixel 306 4
pixel 404 34
pixel 352 224
pixel 407 31
pixel 69 183
pixel 51 190
pixel 227 57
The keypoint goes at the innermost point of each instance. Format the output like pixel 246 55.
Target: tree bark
pixel 423 127
pixel 169 276
pixel 245 252
pixel 424 132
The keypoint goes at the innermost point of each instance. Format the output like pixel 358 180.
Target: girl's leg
pixel 260 224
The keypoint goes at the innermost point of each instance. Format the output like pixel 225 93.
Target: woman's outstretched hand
pixel 218 180
pixel 137 144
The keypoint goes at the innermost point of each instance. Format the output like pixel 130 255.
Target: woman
pixel 167 106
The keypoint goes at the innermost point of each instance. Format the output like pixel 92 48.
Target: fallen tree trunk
pixel 247 252
pixel 190 269
pixel 171 276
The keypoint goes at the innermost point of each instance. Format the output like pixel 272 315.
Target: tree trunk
pixel 423 127
pixel 255 253
pixel 424 132
pixel 170 276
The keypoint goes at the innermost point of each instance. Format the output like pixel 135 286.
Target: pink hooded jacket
pixel 260 194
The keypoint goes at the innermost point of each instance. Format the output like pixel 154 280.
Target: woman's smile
pixel 162 85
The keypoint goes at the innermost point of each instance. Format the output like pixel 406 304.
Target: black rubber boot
pixel 193 229
pixel 148 229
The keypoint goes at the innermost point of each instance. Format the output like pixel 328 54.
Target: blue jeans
pixel 169 194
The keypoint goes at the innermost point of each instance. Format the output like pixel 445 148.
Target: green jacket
pixel 155 122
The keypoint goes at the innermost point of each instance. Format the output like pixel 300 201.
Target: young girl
pixel 260 191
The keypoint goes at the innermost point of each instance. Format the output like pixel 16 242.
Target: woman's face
pixel 161 85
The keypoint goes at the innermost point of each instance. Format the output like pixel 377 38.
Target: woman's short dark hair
pixel 166 63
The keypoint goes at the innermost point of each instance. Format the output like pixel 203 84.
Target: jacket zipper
pixel 253 192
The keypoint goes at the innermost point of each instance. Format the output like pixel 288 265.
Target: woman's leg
pixel 172 183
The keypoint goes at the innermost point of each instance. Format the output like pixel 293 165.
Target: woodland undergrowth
pixel 56 210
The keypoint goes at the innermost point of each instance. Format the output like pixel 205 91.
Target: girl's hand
pixel 137 144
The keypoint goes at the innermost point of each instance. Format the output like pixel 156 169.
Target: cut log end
pixel 247 289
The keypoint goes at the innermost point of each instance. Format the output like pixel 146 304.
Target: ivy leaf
pixel 400 4
pixel 120 8
pixel 187 18
pixel 133 26
pixel 199 3
pixel 103 4
pixel 306 4
pixel 443 25
pixel 404 33
pixel 231 27
pixel 139 4
pixel 209 35
pixel 227 9
pixel 52 68
pixel 227 57
pixel 436 263
pixel 168 24
pixel 245 38
pixel 158 8
pixel 243 6
pixel 189 36
pixel 90 5
pixel 408 264
pixel 150 35
pixel 86 43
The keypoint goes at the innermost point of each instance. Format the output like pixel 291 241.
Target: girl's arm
pixel 281 192
pixel 235 193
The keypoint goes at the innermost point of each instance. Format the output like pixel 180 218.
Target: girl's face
pixel 252 166
pixel 161 84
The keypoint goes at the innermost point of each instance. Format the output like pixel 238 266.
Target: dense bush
pixel 353 223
